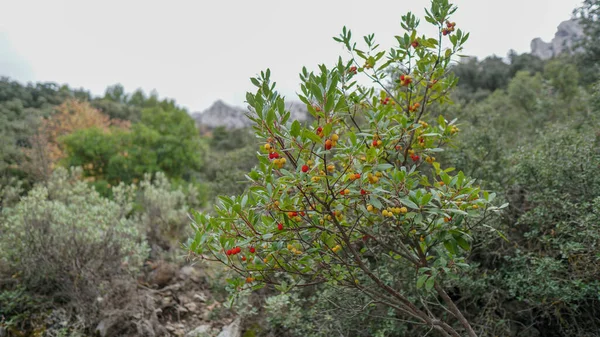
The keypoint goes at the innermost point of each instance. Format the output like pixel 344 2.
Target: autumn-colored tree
pixel 72 115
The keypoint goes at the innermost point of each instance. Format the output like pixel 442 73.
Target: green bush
pixel 162 211
pixel 63 239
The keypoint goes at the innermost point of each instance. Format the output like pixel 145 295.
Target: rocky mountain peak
pixel 567 34
pixel 232 117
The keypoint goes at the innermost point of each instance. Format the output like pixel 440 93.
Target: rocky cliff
pixel 231 117
pixel 567 34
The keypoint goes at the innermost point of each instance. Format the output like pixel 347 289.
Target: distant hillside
pixel 567 34
pixel 232 117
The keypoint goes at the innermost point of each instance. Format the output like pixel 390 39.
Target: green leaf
pixel 421 280
pixel 295 130
pixel 311 135
pixel 430 283
pixel 409 203
pixel 464 244
pixel 450 246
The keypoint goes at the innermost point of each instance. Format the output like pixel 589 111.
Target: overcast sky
pixel 198 51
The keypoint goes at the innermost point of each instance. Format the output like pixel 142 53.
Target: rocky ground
pixel 172 301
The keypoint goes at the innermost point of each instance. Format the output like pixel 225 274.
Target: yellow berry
pixel 346 191
pixel 335 137
pixel 331 168
pixel 370 208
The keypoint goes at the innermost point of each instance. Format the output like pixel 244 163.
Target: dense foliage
pixel 95 192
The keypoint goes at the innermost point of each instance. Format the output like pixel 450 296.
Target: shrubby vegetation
pixel 96 191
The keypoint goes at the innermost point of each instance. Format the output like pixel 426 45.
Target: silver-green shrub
pixel 65 240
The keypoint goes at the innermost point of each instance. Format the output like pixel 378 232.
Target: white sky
pixel 198 51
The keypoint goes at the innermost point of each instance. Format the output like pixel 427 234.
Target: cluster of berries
pixel 390 211
pixel 336 249
pixel 353 176
pixel 449 28
pixel 405 80
pixel 414 107
pixel 337 214
pixel 385 101
pixel 345 191
pixel 317 178
pixel 233 251
pixel 374 178
pixel 376 141
pixel 293 249
pixel 454 129
pixel 280 162
pixel 430 159
pixel 352 70
pixel 274 155
pixel 296 216
pixel 413 155
pixel 331 142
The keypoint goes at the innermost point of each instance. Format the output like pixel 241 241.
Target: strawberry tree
pixel 361 185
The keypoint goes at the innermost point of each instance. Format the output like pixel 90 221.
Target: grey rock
pixel 101 328
pixel 200 297
pixel 232 330
pixel 230 117
pixel 145 329
pixel 191 306
pixel 567 35
pixel 200 331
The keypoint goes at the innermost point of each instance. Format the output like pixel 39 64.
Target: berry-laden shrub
pixel 64 240
pixel 330 202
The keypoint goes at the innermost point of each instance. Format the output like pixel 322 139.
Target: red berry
pixel 252 250
pixel 228 252
pixel 243 258
pixel 302 213
pixel 280 226
pixel 414 157
pixel 305 168
pixel 353 69
pixel 415 44
pixel 363 192
pixel 357 176
pixel 374 143
pixel 238 249
pixel 342 192
pixel 319 130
